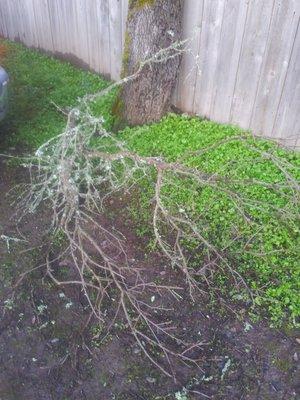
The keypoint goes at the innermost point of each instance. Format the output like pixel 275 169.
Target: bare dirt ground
pixel 48 352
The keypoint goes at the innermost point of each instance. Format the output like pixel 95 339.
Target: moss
pixel 126 55
pixel 138 4
pixel 7 271
pixel 118 113
pixel 59 240
pixel 284 365
pixel 118 105
pixel 117 109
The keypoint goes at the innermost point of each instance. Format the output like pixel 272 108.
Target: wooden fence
pixel 244 65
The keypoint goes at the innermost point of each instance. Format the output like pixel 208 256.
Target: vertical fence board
pixel 81 32
pixel 93 34
pixel 232 34
pixel 275 65
pixel 4 16
pixel 27 31
pixel 253 50
pixel 10 20
pixel 68 16
pixel 208 55
pixel 57 25
pixel 124 19
pixel 19 19
pixel 287 123
pixel 3 30
pixel 104 39
pixel 115 36
pixel 69 11
pixel 192 25
pixel 42 21
pixel 27 9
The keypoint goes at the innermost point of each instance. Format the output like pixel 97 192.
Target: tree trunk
pixel 151 26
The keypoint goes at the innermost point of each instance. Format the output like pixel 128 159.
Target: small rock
pixel 65 263
pixel 277 386
pixel 230 333
pixel 247 327
pixel 150 380
pixel 136 350
pixel 295 357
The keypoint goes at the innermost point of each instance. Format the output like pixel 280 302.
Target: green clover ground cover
pixel 266 252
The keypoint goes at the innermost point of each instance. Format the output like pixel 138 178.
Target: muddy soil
pixel 47 351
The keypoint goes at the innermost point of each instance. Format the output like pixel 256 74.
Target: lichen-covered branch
pixel 76 173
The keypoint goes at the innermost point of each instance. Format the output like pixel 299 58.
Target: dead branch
pixel 75 177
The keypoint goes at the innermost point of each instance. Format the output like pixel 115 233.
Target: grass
pixel 38 80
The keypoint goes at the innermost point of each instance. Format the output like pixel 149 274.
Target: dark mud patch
pixel 47 351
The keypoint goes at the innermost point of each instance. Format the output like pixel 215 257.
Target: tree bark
pixel 151 26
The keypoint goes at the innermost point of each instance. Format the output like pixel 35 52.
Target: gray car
pixel 3 92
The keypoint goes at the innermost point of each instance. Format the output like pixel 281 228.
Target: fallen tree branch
pixel 75 177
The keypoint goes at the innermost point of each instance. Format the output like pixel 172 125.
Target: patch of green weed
pixel 38 83
pixel 271 264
